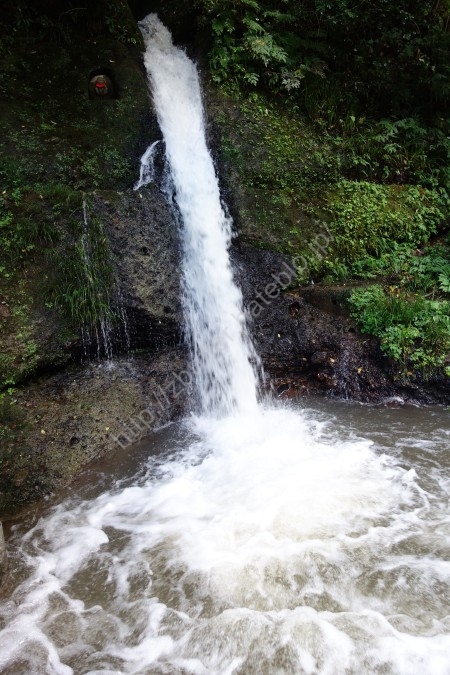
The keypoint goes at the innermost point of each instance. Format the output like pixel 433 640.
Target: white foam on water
pixel 271 544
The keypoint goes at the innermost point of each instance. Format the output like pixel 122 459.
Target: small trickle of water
pixel 222 354
pixel 103 328
pixel 147 170
pixel 125 326
pixel 109 322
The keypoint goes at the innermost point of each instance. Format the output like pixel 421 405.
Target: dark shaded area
pixel 307 341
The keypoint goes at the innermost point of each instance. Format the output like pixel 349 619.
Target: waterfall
pixel 282 539
pixel 222 354
pixel 147 171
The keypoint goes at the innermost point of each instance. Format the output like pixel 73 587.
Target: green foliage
pixel 367 220
pixel 277 160
pixel 280 151
pixel 20 351
pixel 372 171
pixel 390 262
pixel 374 193
pixel 252 43
pixel 410 316
pixel 425 270
pixel 413 331
pixel 293 182
pixel 367 225
pixel 313 51
pixel 428 270
pixel 28 222
pixel 393 151
pixel 83 171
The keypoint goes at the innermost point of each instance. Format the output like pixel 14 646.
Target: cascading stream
pixel 221 349
pixel 147 171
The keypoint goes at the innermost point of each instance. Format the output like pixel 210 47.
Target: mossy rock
pixel 58 144
pixel 288 191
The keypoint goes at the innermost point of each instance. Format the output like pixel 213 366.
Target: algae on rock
pixel 59 245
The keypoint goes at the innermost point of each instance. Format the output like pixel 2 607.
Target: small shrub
pixel 413 331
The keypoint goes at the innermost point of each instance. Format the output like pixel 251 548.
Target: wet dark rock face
pixel 304 336
pixel 144 244
pixel 314 349
pixel 309 344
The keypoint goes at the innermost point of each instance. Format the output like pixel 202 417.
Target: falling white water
pixel 147 170
pixel 221 350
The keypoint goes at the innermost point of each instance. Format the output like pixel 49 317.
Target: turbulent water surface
pixel 246 539
pixel 311 540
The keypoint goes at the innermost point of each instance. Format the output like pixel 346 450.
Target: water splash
pixel 222 354
pixel 147 170
pixel 270 544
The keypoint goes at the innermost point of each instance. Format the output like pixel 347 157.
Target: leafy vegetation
pixel 83 284
pixel 330 138
pixel 410 313
pixel 294 184
pixel 368 220
pixel 313 53
pixel 414 331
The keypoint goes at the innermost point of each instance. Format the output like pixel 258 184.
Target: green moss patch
pixel 57 145
pixel 294 190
